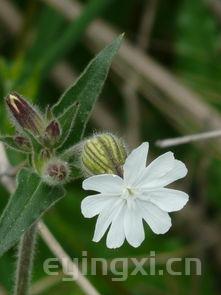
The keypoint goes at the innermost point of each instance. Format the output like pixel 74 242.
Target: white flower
pixel 123 203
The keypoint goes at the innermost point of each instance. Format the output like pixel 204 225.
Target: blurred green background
pixel 165 82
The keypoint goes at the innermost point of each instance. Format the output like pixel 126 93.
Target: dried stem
pixel 129 89
pixel 25 262
pixel 69 267
pixel 188 138
pixel 10 17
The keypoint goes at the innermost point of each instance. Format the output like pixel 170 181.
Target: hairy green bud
pixel 103 153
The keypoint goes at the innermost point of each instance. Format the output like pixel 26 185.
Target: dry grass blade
pixel 188 138
pixel 69 267
pixel 10 17
pixel 129 89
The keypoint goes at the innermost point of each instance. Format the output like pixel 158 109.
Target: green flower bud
pixel 56 172
pixel 103 153
pixel 24 114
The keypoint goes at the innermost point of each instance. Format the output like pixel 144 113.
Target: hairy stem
pixel 24 262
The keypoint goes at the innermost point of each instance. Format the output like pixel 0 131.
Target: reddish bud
pixel 53 132
pixel 24 114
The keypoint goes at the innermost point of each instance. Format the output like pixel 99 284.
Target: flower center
pixel 128 193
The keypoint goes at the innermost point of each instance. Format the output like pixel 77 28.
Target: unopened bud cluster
pixel 103 153
pixel 27 119
pixel 41 135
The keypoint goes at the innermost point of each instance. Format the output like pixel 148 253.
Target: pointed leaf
pixel 87 89
pixel 30 200
pixel 66 121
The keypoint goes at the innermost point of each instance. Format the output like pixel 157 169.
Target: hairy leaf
pixel 30 200
pixel 66 121
pixel 87 89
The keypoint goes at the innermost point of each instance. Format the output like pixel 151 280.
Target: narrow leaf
pixel 66 121
pixel 30 200
pixel 87 89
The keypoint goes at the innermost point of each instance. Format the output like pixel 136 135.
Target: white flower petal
pixel 135 163
pixel 178 171
pixel 158 168
pixel 104 183
pixel 158 220
pixel 93 205
pixel 106 217
pixel 169 200
pixel 133 226
pixel 116 235
pixel 161 176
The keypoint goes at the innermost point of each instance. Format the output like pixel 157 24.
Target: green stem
pixel 24 262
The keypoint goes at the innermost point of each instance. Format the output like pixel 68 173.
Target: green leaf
pixel 37 147
pixel 66 121
pixel 87 89
pixel 10 142
pixel 30 200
